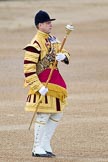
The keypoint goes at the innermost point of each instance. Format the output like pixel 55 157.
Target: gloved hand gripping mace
pixel 69 28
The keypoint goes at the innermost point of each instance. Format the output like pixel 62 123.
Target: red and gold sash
pixel 56 86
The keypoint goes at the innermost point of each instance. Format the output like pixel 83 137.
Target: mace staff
pixel 69 28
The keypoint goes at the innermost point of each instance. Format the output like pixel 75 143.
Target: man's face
pixel 45 27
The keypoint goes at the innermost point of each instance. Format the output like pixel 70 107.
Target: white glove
pixel 43 90
pixel 60 56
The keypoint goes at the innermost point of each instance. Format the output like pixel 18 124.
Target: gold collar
pixel 42 34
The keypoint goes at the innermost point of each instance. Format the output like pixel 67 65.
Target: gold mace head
pixel 69 28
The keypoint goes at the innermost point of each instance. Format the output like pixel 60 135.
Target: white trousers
pixel 44 129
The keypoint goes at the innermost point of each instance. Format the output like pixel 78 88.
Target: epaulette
pixel 35 47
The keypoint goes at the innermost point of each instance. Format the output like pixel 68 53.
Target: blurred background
pixel 82 135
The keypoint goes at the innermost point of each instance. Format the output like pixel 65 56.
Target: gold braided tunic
pixel 55 100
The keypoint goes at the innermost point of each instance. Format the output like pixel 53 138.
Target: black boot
pixel 41 155
pixel 50 153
